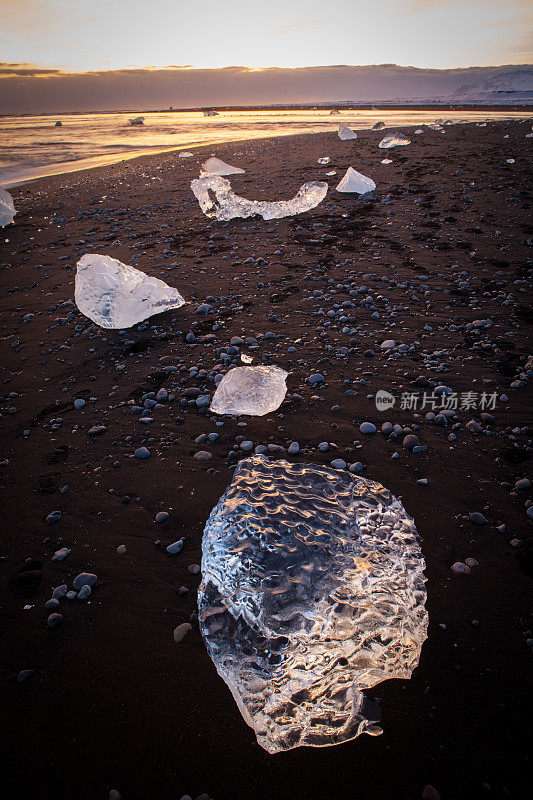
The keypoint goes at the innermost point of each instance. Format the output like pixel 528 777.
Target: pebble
pixel 60 591
pixel 367 427
pixel 61 554
pixel 121 548
pixel 430 793
pixel 294 448
pixel 79 403
pixel 142 452
pixel 477 518
pixel 338 463
pixel 54 516
pixel 84 592
pixel 175 547
pixel 460 569
pixel 52 604
pixel 203 455
pixel 410 441
pixel 194 569
pixel 162 516
pixel 25 675
pixel 84 579
pixel 181 631
pixel 54 620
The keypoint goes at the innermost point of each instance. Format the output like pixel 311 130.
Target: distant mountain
pixel 505 87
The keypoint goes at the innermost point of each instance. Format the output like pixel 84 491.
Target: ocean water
pixel 32 147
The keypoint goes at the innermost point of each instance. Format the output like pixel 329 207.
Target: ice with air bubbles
pixel 393 140
pixel 253 391
pixel 115 295
pixel 217 199
pixel 345 133
pixel 312 591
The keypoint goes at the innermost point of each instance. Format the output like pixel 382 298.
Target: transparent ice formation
pixel 354 181
pixel 254 391
pixel 185 154
pixel 226 205
pixel 324 160
pixel 214 166
pixel 346 133
pixel 115 295
pixel 393 140
pixel 7 208
pixel 312 591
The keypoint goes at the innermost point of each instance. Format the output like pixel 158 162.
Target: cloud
pixel 28 70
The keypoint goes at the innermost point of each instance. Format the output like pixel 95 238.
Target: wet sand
pixel 114 702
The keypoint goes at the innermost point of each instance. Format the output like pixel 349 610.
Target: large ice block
pixel 354 181
pixel 312 591
pixel 214 166
pixel 115 295
pixel 218 200
pixel 7 208
pixel 254 391
pixel 393 140
pixel 346 133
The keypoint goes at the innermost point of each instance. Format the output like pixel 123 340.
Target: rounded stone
pixel 84 579
pixel 367 427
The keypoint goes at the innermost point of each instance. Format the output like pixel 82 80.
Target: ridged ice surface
pixel 393 140
pixel 115 295
pixel 218 200
pixel 7 208
pixel 250 390
pixel 312 590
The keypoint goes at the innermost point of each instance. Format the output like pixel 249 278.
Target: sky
pixel 88 35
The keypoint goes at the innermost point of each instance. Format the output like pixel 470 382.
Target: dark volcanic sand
pixel 115 702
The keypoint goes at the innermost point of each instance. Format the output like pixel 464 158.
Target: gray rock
pixel 162 516
pixel 84 592
pixel 142 452
pixel 54 620
pixel 175 547
pixel 203 455
pixel 338 463
pixel 410 441
pixel 367 427
pixel 477 518
pixel 460 569
pixel 84 579
pixel 181 631
pixel 61 554
pixel 60 591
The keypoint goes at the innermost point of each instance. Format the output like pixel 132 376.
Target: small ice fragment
pixel 254 391
pixel 329 174
pixel 214 166
pixel 185 154
pixel 246 359
pixel 210 113
pixel 137 121
pixel 7 208
pixel 510 161
pixel 354 181
pixel 345 133
pixel 393 140
pixel 227 205
pixel 378 126
pixel 324 160
pixel 419 131
pixel 386 161
pixel 312 591
pixel 115 295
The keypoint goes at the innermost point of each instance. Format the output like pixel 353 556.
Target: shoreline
pixel 438 262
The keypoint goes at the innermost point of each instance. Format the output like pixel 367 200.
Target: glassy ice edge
pixel 312 590
pixel 115 295
pixel 7 208
pixel 253 391
pixel 218 200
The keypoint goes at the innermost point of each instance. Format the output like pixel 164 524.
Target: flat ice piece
pixel 7 208
pixel 115 295
pixel 354 181
pixel 329 174
pixel 386 161
pixel 254 391
pixel 393 140
pixel 137 121
pixel 312 590
pixel 214 166
pixel 185 154
pixel 346 133
pixel 324 160
pixel 227 205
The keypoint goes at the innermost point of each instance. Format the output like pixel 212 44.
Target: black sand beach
pixel 443 252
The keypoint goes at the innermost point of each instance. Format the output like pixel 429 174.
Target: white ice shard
pixel 254 391
pixel 393 140
pixel 324 160
pixel 419 131
pixel 312 591
pixel 115 295
pixel 137 121
pixel 185 154
pixel 214 166
pixel 329 174
pixel 354 181
pixel 346 133
pixel 218 200
pixel 7 208
pixel 378 126
pixel 386 161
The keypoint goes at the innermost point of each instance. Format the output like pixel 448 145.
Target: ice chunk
pixel 227 205
pixel 214 166
pixel 254 391
pixel 137 121
pixel 378 126
pixel 354 181
pixel 312 590
pixel 7 208
pixel 346 133
pixel 386 161
pixel 329 174
pixel 115 295
pixel 393 140
pixel 419 131
pixel 185 154
pixel 324 160
pixel 210 113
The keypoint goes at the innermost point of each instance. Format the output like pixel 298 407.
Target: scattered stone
pixel 181 631
pixel 54 620
pixel 84 579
